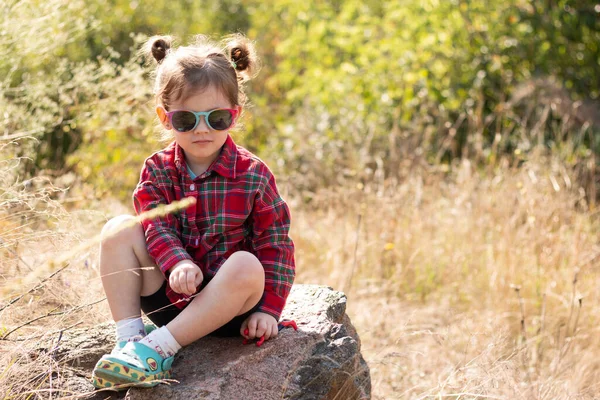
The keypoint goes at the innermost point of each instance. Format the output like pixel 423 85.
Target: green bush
pixel 348 90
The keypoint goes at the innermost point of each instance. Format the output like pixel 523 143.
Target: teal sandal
pixel 106 383
pixel 134 364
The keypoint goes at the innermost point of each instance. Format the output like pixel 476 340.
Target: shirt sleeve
pixel 273 247
pixel 162 238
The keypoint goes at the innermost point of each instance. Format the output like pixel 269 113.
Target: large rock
pixel 321 360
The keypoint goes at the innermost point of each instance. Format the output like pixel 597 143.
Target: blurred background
pixel 439 158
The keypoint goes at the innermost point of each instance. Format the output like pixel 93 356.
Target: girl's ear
pixel 237 116
pixel 162 115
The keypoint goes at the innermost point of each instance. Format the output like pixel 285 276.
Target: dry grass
pixel 35 227
pixel 431 281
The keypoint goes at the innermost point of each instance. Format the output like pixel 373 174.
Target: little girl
pixel 225 265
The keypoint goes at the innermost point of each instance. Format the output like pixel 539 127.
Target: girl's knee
pixel 120 229
pixel 246 266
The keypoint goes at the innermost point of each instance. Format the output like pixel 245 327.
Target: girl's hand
pixel 259 324
pixel 185 277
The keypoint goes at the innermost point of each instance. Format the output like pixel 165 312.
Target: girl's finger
pixel 182 280
pixel 252 328
pixel 190 278
pixel 198 280
pixel 274 331
pixel 262 329
pixel 191 282
pixel 243 328
pixel 174 283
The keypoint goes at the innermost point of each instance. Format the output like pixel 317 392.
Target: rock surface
pixel 321 360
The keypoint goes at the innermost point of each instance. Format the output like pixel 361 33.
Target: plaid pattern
pixel 237 208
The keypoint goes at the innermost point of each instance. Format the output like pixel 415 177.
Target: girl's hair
pixel 184 70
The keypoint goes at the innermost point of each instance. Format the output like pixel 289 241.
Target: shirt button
pixel 192 187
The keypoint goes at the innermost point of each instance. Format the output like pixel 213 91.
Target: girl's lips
pixel 202 141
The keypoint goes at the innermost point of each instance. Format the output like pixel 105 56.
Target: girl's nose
pixel 202 126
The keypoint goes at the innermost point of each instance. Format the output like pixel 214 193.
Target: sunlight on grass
pixel 430 265
pixel 431 284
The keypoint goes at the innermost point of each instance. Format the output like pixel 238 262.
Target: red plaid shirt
pixel 237 208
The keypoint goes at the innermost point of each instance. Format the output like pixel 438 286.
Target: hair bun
pixel 240 57
pixel 241 52
pixel 160 47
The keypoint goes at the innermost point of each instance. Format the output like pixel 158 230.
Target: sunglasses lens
pixel 183 121
pixel 220 120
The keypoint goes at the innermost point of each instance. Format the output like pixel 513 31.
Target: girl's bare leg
pixel 122 256
pixel 234 290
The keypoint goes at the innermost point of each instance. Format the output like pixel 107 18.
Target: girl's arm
pixel 162 234
pixel 273 247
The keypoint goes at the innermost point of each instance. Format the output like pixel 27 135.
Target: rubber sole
pixel 108 374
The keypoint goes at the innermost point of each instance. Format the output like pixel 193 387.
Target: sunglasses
pixel 184 121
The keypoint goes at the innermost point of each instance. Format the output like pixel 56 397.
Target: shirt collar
pixel 224 164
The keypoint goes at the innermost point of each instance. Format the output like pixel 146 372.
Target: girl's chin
pixel 201 154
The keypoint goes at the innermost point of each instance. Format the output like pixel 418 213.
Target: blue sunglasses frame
pixel 197 115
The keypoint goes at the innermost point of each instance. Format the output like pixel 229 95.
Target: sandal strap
pixel 147 356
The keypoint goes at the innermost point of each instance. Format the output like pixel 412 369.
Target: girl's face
pixel 202 145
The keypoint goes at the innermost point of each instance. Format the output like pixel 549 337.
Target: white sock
pixel 161 341
pixel 130 330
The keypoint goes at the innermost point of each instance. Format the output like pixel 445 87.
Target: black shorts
pixel 168 312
